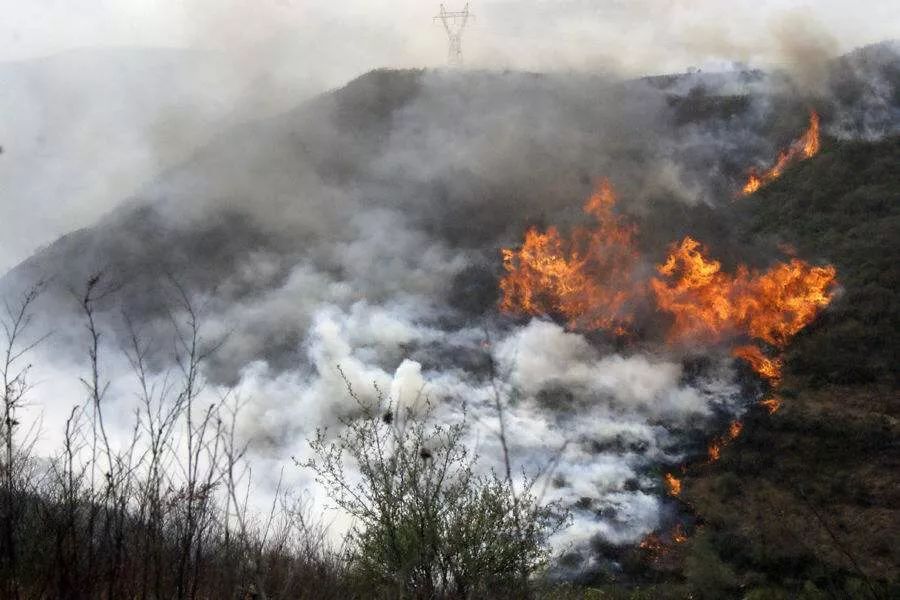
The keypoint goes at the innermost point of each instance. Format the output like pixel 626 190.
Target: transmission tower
pixel 454 23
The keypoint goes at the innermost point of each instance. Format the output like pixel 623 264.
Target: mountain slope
pixel 806 500
pixel 843 207
pixel 421 153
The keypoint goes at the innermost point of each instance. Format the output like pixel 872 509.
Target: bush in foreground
pixel 429 526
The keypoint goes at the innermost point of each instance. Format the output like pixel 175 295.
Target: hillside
pixel 804 504
pixel 423 150
pixel 844 208
pixel 806 501
pixel 355 242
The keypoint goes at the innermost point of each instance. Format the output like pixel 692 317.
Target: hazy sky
pixel 86 129
pixel 354 35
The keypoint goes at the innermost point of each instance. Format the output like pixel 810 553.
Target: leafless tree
pixel 14 370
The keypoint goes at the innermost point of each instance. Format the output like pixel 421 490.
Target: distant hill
pixel 465 160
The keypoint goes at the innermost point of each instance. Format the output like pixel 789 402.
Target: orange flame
pixel 767 368
pixel 673 484
pixel 656 546
pixel 806 146
pixel 754 182
pixel 586 277
pixel 771 404
pixel 653 545
pixel 714 451
pixel 811 142
pixel 772 307
pixel 707 303
pixel 589 278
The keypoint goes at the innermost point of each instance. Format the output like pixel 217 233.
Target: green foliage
pixel 706 573
pixel 428 526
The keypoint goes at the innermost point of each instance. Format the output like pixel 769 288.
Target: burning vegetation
pixel 657 546
pixel 806 146
pixel 591 279
pixel 771 404
pixel 748 515
pixel 708 304
pixel 673 485
pixel 714 451
pixel 587 277
pixel 766 367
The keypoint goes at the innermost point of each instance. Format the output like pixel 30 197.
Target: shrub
pixel 427 525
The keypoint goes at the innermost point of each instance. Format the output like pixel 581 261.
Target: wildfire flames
pixel 673 484
pixel 653 544
pixel 707 303
pixel 714 452
pixel 585 278
pixel 806 146
pixel 678 534
pixel 771 404
pixel 766 367
pixel 591 279
pixel 656 546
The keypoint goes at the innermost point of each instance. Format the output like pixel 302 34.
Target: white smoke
pixel 607 421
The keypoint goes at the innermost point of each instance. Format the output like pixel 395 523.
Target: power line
pixel 454 23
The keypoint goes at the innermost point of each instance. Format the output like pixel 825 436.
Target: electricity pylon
pixel 454 22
